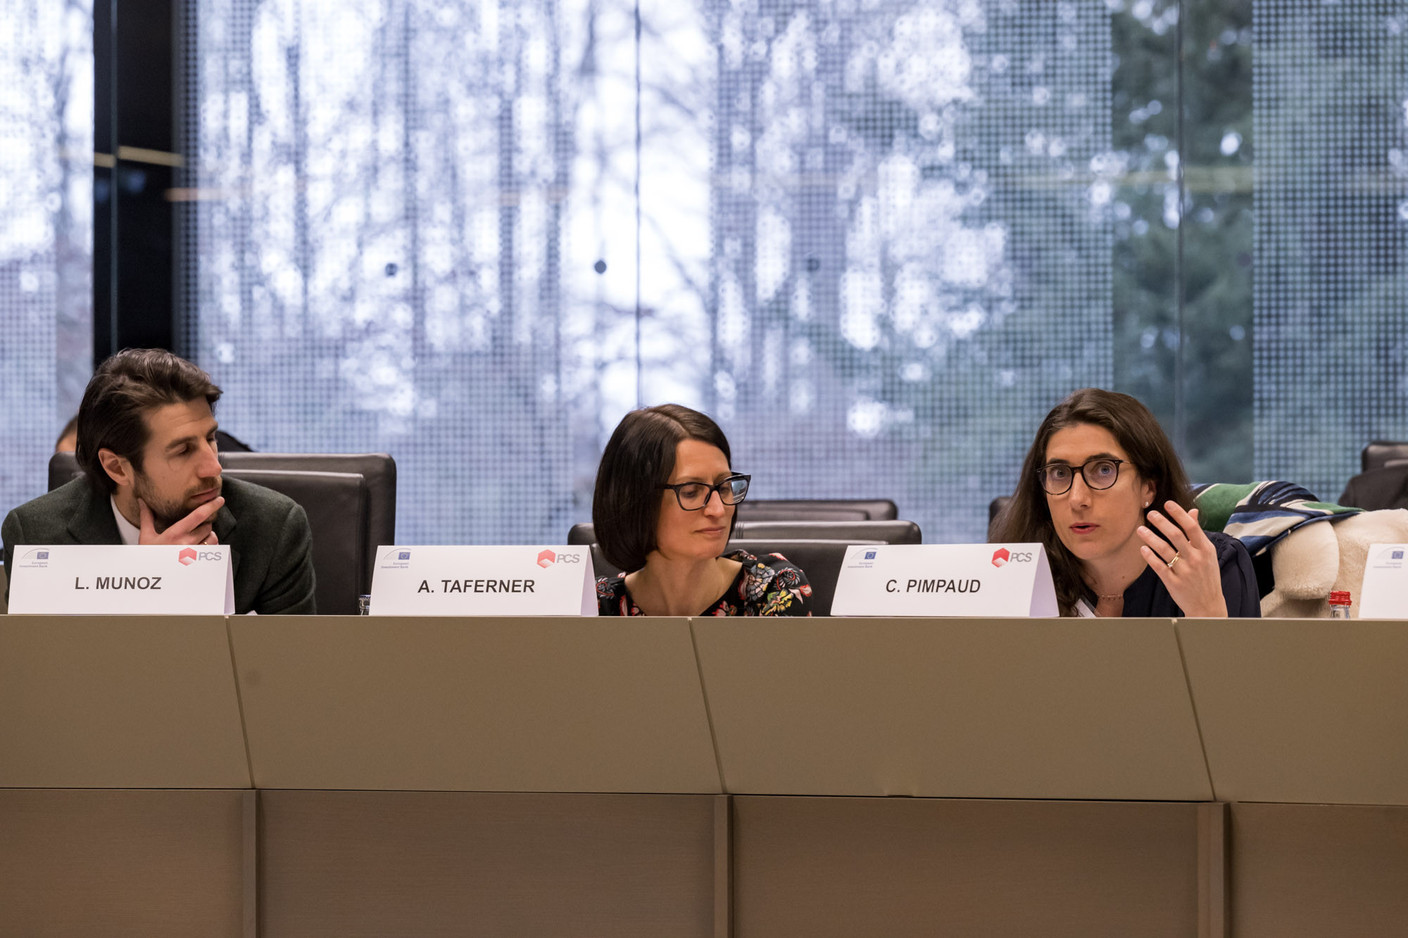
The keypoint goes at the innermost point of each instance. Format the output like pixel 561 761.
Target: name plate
pixel 163 579
pixel 945 580
pixel 483 581
pixel 1384 593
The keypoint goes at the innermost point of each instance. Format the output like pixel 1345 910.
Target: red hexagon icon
pixel 1000 557
pixel 546 558
pixel 187 556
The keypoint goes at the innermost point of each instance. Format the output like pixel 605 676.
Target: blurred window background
pixel 877 241
pixel 46 231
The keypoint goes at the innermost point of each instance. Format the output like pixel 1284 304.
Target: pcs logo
pixel 1002 556
pixel 190 555
pixel 546 558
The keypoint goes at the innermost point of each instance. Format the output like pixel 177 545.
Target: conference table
pixel 345 776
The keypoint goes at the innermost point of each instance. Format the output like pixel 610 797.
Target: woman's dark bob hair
pixel 639 457
pixel 1027 517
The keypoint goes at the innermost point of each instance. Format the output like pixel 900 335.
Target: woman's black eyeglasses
pixel 693 496
pixel 1099 473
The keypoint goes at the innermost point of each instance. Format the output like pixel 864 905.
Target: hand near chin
pixel 1186 561
pixel 195 528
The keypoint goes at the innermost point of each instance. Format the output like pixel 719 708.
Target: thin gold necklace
pixel 1108 597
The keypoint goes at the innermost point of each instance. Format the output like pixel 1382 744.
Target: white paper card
pixel 159 579
pixel 483 581
pixel 1384 593
pixel 945 580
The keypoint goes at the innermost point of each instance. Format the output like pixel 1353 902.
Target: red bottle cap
pixel 1340 598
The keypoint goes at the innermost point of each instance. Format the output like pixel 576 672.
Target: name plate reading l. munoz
pixel 483 581
pixel 161 579
pixel 945 580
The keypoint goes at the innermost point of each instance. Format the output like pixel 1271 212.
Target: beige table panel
pixel 144 864
pixel 1302 710
pixel 1319 871
pixel 118 702
pixel 490 704
pixel 1000 708
pixel 364 864
pixel 921 867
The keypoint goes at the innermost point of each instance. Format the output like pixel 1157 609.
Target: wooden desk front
pixel 628 732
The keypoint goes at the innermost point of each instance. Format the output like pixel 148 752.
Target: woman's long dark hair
pixel 1027 517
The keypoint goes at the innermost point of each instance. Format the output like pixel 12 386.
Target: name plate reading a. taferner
pixel 157 579
pixel 483 581
pixel 945 580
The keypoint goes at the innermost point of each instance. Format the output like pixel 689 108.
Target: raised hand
pixel 1186 561
pixel 195 528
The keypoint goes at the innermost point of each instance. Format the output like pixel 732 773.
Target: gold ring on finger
pixel 1173 560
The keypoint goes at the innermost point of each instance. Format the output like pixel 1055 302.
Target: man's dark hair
pixel 120 395
pixel 638 458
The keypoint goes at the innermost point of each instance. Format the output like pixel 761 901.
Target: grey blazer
pixel 271 545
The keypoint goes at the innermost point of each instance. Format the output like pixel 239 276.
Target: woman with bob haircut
pixel 1099 462
pixel 664 509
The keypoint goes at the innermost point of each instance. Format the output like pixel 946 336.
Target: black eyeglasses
pixel 693 496
pixel 1099 473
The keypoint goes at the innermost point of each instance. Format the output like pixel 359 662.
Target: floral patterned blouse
pixel 766 586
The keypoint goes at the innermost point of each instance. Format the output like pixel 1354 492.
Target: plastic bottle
pixel 1339 604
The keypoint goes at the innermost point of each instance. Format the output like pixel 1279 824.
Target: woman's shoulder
pixel 611 596
pixel 771 585
pixel 766 566
pixel 615 583
pixel 1229 548
pixel 1240 586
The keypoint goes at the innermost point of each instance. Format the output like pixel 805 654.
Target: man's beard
pixel 166 512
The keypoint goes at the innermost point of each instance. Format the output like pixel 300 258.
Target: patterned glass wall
pixel 1331 113
pixel 873 239
pixel 876 239
pixel 46 235
pixel 912 236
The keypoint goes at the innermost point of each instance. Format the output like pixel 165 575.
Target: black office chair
pixel 994 509
pixel 322 496
pixel 1381 454
pixel 818 509
pixel 336 506
pixel 849 532
pixel 379 469
pixel 854 532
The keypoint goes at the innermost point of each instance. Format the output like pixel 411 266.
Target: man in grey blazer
pixel 146 444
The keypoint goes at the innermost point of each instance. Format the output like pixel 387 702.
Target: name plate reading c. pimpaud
pixel 483 581
pixel 153 579
pixel 945 580
pixel 1384 593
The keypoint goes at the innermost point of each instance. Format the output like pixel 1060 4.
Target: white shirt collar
pixel 126 530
